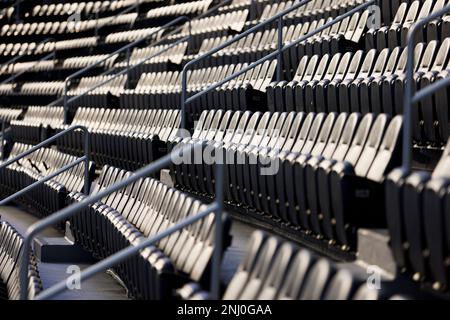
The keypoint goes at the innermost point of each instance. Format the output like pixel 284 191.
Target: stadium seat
pixel 10 245
pixel 310 142
pixel 142 210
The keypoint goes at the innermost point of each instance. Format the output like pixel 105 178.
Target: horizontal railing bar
pixel 69 211
pixel 42 144
pixel 41 181
pixel 125 253
pixel 407 97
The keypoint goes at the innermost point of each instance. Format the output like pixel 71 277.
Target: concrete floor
pixel 104 286
pixel 101 287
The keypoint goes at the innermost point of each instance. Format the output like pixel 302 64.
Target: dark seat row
pixel 316 172
pixel 83 8
pixel 127 138
pixel 130 35
pixel 153 90
pixel 273 269
pixel 50 196
pixel 371 82
pixel 10 245
pixel 64 27
pixel 142 210
pixel 33 48
pixel 418 216
pixel 30 93
pixel 214 25
pixel 164 58
pixel 179 9
pixel 345 34
pixel 395 34
pixel 246 92
pixel 163 90
pixel 102 97
pixel 37 124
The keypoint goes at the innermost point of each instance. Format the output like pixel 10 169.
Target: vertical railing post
pixel 183 99
pixel 65 106
pixel 280 49
pixel 218 229
pixel 87 151
pixel 128 68
pixel 96 24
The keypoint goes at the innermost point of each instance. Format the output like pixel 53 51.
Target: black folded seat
pixel 50 196
pixel 416 211
pixel 10 248
pixel 142 210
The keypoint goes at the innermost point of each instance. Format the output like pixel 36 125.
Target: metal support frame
pixel 275 54
pixel 216 207
pixel 408 98
pixel 44 143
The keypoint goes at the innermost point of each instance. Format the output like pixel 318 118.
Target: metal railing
pixel 278 53
pixel 409 99
pixel 2 140
pixel 44 143
pixel 216 207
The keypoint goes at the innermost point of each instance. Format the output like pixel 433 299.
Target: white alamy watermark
pixel 206 152
pixel 373 281
pixel 73 282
